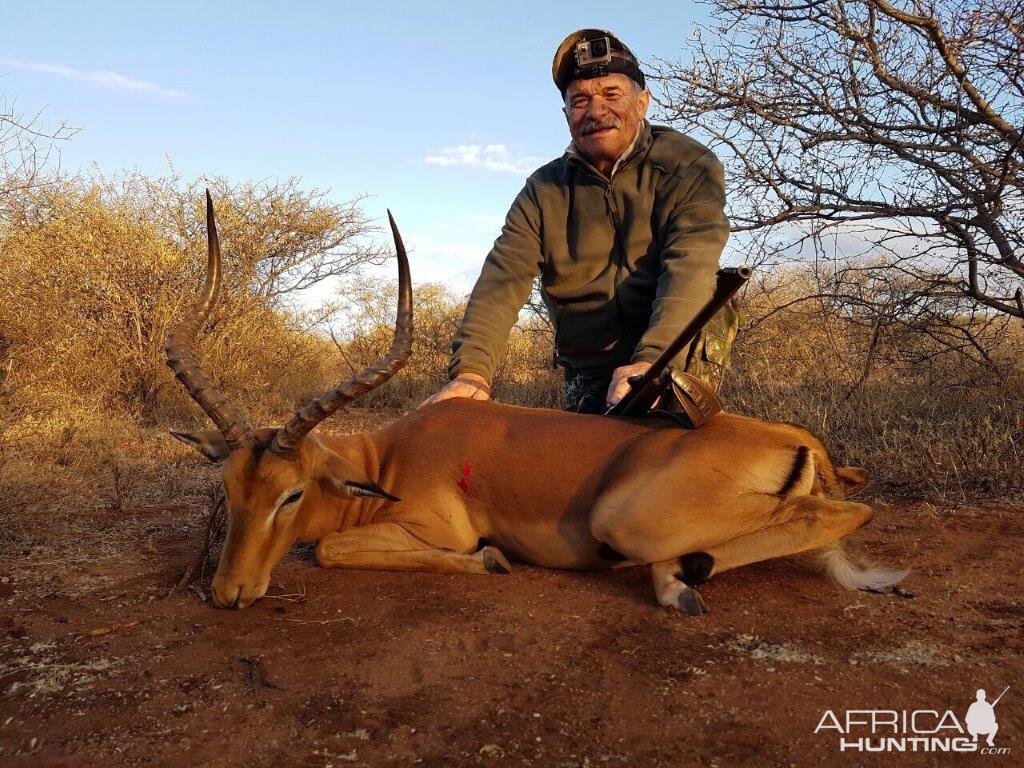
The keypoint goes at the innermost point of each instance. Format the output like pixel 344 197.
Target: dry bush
pixel 95 271
pixel 525 375
pixel 27 148
pixel 920 413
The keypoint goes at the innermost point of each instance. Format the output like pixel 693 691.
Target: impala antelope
pixel 460 486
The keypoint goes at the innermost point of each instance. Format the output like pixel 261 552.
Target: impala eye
pixel 292 499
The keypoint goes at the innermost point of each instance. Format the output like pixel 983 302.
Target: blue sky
pixel 436 110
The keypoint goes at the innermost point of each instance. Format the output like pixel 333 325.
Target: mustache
pixel 593 126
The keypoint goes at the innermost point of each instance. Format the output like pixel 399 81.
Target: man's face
pixel 603 115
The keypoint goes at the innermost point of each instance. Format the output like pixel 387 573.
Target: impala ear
pixel 851 478
pixel 210 443
pixel 369 488
pixel 343 477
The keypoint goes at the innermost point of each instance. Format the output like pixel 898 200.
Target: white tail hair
pixel 849 575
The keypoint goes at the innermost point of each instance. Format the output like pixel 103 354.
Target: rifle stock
pixel 645 389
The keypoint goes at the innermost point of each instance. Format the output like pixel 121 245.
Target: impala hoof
pixel 494 561
pixel 691 603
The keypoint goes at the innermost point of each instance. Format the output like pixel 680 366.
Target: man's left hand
pixel 620 381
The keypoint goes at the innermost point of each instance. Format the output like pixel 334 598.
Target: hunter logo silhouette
pixel 981 717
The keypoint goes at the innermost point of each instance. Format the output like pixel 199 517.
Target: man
pixel 625 231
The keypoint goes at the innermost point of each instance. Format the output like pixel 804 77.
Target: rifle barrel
pixel 729 281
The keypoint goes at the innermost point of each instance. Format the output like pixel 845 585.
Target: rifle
pixel 644 390
pixel 1000 696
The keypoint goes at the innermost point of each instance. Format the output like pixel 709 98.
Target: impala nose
pixel 236 594
pixel 226 595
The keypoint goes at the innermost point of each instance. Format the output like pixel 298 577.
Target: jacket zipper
pixel 613 213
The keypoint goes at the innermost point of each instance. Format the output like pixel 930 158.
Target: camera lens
pixel 599 48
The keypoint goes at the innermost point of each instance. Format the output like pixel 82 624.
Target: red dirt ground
pixel 537 668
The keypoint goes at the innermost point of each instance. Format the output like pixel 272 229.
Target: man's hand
pixel 464 385
pixel 620 381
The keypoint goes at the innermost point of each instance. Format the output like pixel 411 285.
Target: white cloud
pixel 489 157
pixel 454 262
pixel 102 77
pixel 487 223
pixel 454 253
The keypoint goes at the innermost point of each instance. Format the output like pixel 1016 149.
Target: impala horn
pixel 286 441
pixel 181 354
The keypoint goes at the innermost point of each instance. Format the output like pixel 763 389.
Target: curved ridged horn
pixel 181 355
pixel 287 439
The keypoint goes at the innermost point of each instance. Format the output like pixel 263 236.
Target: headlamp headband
pixel 591 53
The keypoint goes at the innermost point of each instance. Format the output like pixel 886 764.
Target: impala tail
pixel 836 482
pixel 841 568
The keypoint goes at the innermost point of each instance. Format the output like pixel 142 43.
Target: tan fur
pixel 545 487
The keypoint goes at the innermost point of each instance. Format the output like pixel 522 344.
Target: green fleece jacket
pixel 624 262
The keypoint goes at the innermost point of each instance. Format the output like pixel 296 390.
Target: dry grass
pixel 912 438
pixel 525 375
pixel 921 417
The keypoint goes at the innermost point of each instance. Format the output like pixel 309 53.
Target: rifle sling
pixel 689 400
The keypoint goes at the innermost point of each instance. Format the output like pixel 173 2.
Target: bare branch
pixel 893 126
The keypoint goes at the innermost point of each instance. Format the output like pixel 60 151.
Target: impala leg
pixel 710 543
pixel 671 589
pixel 801 525
pixel 389 547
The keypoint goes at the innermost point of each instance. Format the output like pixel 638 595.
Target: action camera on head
pixel 594 53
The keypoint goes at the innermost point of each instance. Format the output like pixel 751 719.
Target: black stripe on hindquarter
pixel 612 555
pixel 803 455
pixel 696 568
